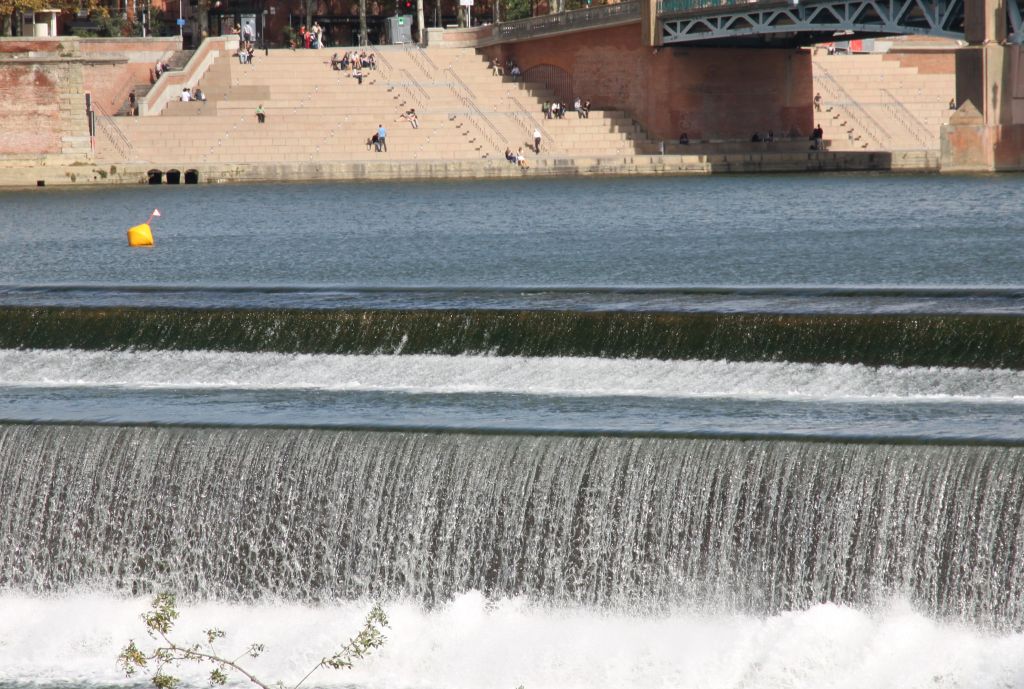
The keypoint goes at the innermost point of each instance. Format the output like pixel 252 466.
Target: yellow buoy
pixel 140 235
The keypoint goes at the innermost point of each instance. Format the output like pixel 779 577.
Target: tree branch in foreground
pixel 169 653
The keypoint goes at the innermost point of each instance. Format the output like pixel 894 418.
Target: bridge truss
pixel 805 22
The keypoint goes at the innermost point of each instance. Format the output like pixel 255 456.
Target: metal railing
pixel 682 6
pixel 415 86
pixel 565 21
pixel 416 56
pixel 113 134
pixel 855 111
pixel 382 64
pixel 450 71
pixel 468 100
pixel 426 56
pixel 525 119
pixel 902 114
pixel 407 81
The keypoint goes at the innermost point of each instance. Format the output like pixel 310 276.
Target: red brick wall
pixel 925 62
pixel 710 93
pixel 29 110
pixel 111 66
pixel 25 45
pixel 130 47
pixel 109 84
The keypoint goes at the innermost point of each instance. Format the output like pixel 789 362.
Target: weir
pixel 622 523
pixel 988 341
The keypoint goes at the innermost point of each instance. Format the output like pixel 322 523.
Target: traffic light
pixel 407 4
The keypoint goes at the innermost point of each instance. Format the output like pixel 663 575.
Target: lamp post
pixel 263 30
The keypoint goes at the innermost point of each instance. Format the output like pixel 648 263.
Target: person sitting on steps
pixel 410 117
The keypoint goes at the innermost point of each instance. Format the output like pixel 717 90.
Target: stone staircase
pixel 870 103
pixel 316 114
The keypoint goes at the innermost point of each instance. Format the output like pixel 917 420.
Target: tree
pixel 515 9
pixel 362 23
pixel 203 18
pixel 419 22
pixel 8 8
pixel 308 6
pixel 169 653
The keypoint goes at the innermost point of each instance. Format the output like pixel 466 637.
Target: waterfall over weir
pixel 964 340
pixel 643 523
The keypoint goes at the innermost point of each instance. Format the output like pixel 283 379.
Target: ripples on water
pixel 735 230
pixel 758 563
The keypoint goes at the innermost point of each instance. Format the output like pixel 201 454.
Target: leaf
pixel 162 680
pixel 131 659
pixel 162 614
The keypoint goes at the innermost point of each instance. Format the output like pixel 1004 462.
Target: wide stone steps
pixel 316 113
pixel 869 102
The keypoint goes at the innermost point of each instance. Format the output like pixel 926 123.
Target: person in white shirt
pixel 536 140
pixel 186 95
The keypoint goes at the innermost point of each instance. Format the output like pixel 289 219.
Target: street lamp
pixel 263 29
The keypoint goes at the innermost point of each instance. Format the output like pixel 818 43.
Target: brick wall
pixel 42 110
pixel 926 62
pixel 110 66
pixel 25 46
pixel 29 105
pixel 43 82
pixel 710 93
pixel 132 49
pixel 110 84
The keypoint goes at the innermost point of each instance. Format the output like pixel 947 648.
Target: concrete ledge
pixel 15 175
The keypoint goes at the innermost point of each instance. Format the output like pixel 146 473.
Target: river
pixel 758 432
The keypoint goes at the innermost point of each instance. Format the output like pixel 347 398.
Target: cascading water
pixel 753 526
pixel 630 434
pixel 971 340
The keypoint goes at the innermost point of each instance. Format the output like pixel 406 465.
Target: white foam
pixel 557 376
pixel 475 644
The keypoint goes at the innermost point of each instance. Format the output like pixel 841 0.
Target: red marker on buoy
pixel 142 235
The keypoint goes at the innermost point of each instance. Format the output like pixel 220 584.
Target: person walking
pixel 382 138
pixel 536 140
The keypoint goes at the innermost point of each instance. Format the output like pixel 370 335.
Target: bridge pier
pixel 710 93
pixel 650 30
pixel 987 131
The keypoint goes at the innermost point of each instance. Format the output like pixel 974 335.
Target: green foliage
pixel 368 639
pixel 109 25
pixel 289 36
pixel 163 612
pixel 162 23
pixel 515 9
pixel 168 654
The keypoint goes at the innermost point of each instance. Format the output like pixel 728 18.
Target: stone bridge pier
pixel 987 131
